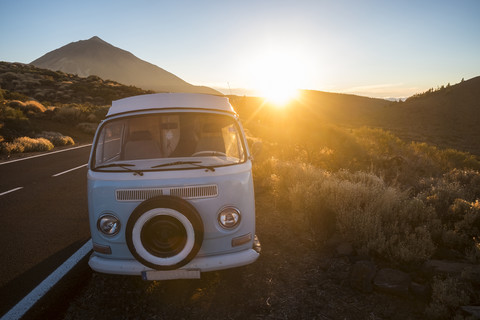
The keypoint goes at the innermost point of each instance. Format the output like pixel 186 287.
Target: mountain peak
pixel 97 57
pixel 97 39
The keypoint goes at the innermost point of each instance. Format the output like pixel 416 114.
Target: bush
pixel 34 106
pixel 30 106
pixel 447 295
pixel 101 111
pixel 26 144
pixel 442 192
pixel 13 95
pixel 9 113
pixel 14 120
pixel 56 138
pixel 377 218
pixel 68 114
pixel 87 127
pixel 17 104
pixel 76 113
pixel 466 229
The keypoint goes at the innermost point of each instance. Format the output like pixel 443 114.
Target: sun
pixel 277 76
pixel 278 92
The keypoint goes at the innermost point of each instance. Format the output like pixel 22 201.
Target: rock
pixel 472 310
pixel 339 269
pixel 362 275
pixel 447 254
pixel 334 240
pixel 434 267
pixel 392 281
pixel 420 290
pixel 324 264
pixel 344 249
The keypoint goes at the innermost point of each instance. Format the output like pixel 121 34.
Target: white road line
pixel 29 300
pixel 59 174
pixel 45 154
pixel 12 190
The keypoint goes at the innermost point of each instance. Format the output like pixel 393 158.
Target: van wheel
pixel 164 233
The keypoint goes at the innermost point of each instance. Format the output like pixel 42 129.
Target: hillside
pixel 35 100
pixel 97 57
pixel 310 110
pixel 446 117
pixel 53 87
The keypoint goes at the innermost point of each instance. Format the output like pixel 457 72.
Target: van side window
pixel 109 143
pixel 233 147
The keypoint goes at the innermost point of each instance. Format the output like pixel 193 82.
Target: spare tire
pixel 164 233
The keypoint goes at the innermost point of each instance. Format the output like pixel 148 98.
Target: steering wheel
pixel 209 153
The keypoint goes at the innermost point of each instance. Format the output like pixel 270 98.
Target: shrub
pixel 10 113
pixel 34 106
pixel 92 118
pixel 447 295
pixel 14 120
pixel 87 127
pixel 469 180
pixel 374 216
pixel 454 197
pixel 68 114
pixel 380 142
pixel 446 159
pixel 467 225
pixel 56 138
pixel 26 144
pixel 13 95
pixel 101 111
pixel 441 192
pixel 10 147
pixel 17 104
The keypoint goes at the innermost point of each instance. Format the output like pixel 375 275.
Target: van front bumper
pixel 201 264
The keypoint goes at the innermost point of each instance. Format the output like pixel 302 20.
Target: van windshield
pixel 166 141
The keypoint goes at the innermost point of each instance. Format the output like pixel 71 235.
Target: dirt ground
pixel 294 278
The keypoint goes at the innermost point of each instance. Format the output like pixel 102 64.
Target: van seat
pixel 141 146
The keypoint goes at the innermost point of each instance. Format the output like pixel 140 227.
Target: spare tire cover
pixel 164 233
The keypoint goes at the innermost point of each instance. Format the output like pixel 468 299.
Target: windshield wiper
pixel 193 163
pixel 123 166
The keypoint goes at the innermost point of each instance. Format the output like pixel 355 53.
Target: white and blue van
pixel 170 189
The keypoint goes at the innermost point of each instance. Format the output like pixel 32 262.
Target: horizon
pixel 373 49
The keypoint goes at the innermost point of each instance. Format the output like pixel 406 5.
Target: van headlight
pixel 229 217
pixel 108 224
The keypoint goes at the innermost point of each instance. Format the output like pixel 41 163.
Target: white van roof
pixel 169 101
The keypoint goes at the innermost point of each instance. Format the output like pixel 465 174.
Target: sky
pixel 373 48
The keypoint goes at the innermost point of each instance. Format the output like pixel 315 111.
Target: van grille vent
pixel 195 192
pixel 188 192
pixel 138 194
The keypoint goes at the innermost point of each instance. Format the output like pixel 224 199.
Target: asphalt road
pixel 43 219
